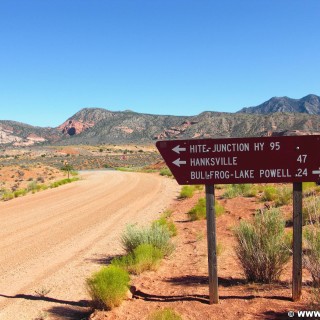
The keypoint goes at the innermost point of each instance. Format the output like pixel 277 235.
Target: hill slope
pixel 97 126
pixel 309 104
pixel 135 127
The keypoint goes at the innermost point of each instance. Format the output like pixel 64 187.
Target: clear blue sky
pixel 177 57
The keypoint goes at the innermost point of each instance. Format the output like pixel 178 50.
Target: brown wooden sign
pixel 243 160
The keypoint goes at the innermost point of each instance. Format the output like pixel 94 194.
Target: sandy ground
pixel 181 282
pixel 50 242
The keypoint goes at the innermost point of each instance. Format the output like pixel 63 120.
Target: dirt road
pixel 50 242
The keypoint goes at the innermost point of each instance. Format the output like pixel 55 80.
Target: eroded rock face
pixel 73 127
pixel 7 136
pixel 174 132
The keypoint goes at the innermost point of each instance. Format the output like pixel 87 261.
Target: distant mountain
pixel 100 125
pixel 124 127
pixel 309 104
pixel 21 134
pixel 277 116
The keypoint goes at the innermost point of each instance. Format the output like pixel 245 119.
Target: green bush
pixel 144 257
pixel 165 314
pixel 311 209
pixel 187 192
pixel 309 188
pixel 219 248
pixel 237 190
pixel 155 235
pixel 62 182
pixel 108 287
pixel 261 247
pixel 219 209
pixel 166 172
pixel 198 212
pixel 7 195
pixel 20 192
pixel 312 258
pixel 168 224
pixel 269 193
pixel 283 197
pixel 34 187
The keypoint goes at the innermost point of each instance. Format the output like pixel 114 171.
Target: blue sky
pixel 177 57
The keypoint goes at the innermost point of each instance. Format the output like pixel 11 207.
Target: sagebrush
pixel 261 247
pixel 156 235
pixel 108 287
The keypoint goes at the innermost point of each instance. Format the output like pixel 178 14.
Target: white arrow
pixel 177 149
pixel 316 172
pixel 178 162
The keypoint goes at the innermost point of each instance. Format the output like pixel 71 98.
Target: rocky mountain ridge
pixel 98 126
pixel 309 104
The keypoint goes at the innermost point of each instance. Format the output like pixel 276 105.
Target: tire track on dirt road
pixel 56 238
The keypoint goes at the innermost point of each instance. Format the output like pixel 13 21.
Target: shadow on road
pixel 76 310
pixel 81 303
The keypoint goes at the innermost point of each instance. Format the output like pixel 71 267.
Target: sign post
pixel 297 242
pixel 290 159
pixel 212 245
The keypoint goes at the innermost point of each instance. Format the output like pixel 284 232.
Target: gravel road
pixel 50 242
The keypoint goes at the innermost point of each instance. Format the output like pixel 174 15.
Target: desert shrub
pixel 311 209
pixel 230 192
pixel 167 213
pixel 155 235
pixel 288 238
pixel 166 172
pixel 7 195
pixel 312 258
pixel 309 188
pixel 168 224
pixel 144 257
pixel 108 287
pixel 62 182
pixel 74 173
pixel 269 193
pixel 236 190
pixel 40 179
pixel 186 192
pixel 283 196
pixel 219 209
pixel 249 190
pixel 219 248
pixel 261 247
pixel 20 192
pixel 198 212
pixel 32 186
pixel 165 314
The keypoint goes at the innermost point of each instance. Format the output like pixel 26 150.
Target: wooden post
pixel 212 245
pixel 297 241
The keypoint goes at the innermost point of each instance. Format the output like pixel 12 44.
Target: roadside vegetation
pixel 34 187
pixel 261 247
pixel 239 190
pixel 108 287
pixel 164 314
pixel 198 212
pixel 145 247
pixel 263 243
pixel 166 172
pixel 188 191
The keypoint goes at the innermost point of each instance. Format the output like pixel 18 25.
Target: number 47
pixel 302 158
